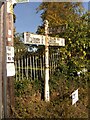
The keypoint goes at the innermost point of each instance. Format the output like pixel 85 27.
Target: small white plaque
pixel 74 97
pixel 10 69
pixel 9 39
pixel 10 53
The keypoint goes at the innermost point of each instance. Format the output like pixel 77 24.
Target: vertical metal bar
pixel 33 69
pixel 36 68
pixel 19 68
pixel 22 68
pixel 27 67
pixel 35 65
pixel 31 66
pixel 39 70
pixel 16 70
pixel 41 65
pixel 51 64
pixel 55 61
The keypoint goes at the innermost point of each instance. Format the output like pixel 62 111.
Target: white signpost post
pixel 46 40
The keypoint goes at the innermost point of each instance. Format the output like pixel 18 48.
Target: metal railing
pixel 33 66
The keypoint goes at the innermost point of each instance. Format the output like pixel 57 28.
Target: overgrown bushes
pixel 30 105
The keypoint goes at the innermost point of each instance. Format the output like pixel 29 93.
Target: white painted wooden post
pixel 47 98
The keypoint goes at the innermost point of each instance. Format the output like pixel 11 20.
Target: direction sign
pixel 30 38
pixel 53 41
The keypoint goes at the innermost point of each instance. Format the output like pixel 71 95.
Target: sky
pixel 27 20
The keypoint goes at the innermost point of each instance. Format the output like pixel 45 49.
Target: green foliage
pixel 20 48
pixel 21 86
pixel 30 105
pixel 57 13
pixel 36 84
pixel 74 54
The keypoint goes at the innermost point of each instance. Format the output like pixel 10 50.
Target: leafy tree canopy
pixel 58 13
pixel 74 54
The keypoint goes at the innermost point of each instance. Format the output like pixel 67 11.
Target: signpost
pixel 46 40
